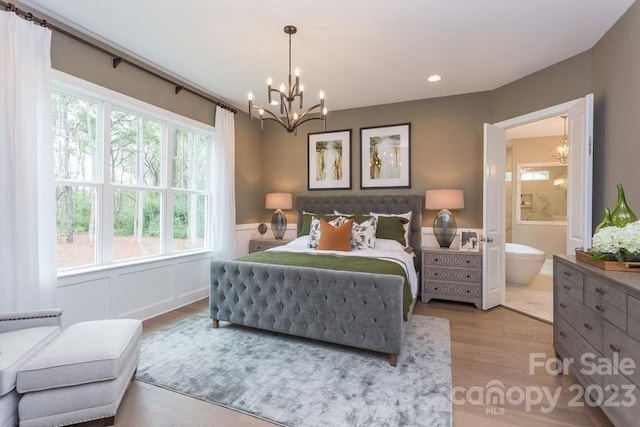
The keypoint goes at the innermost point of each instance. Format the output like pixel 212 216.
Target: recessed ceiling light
pixel 434 78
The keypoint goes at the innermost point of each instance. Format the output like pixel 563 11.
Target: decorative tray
pixel 607 265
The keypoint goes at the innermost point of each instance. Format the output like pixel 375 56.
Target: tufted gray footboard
pixel 361 310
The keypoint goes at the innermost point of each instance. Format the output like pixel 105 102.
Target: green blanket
pixel 331 262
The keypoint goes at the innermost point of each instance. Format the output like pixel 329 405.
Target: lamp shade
pixel 278 201
pixel 444 199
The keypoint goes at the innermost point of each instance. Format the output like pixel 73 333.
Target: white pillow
pixel 363 235
pixel 407 226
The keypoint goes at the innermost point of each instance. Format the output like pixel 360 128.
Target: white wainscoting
pixel 137 290
pixel 146 289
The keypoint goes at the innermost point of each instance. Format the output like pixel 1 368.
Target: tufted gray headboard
pixel 393 204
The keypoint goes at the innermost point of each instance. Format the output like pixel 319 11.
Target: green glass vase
pixel 622 214
pixel 606 220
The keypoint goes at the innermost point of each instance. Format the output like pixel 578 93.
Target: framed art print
pixel 385 154
pixel 469 241
pixel 329 160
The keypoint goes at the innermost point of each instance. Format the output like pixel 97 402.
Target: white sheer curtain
pixel 223 187
pixel 27 193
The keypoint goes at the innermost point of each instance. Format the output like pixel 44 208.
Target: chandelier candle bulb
pixel 269 83
pixel 250 106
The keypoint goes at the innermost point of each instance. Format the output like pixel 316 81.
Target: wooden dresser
pixel 452 275
pixel 596 322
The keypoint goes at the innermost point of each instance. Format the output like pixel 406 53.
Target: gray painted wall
pixel 446 132
pixel 446 149
pixel 616 87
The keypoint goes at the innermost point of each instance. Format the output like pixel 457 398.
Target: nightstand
pixel 256 245
pixel 452 275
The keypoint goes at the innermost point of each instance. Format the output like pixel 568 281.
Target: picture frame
pixel 469 241
pixel 385 156
pixel 329 160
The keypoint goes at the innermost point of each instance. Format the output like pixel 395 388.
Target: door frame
pixel 556 110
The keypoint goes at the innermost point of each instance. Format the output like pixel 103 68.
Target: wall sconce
pixel 278 201
pixel 444 225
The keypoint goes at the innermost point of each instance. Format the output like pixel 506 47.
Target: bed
pixel 353 308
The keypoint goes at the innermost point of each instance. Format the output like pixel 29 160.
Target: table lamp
pixel 278 201
pixel 444 224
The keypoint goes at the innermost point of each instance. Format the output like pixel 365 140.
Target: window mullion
pixel 168 138
pixel 107 188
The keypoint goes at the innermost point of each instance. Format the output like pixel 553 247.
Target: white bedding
pixel 385 249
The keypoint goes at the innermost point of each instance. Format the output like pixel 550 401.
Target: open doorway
pixel 536 182
pixel 579 172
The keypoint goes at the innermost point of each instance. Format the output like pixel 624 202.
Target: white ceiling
pixel 360 52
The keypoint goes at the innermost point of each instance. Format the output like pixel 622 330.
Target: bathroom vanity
pixel 596 331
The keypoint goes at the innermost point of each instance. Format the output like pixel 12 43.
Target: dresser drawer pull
pixel 600 308
pixel 562 334
pixel 562 305
pixel 567 287
pixel 600 291
pixel 435 259
pixel 566 273
pixel 589 326
pixel 615 348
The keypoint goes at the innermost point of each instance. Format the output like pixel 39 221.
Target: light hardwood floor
pixel 536 299
pixel 485 346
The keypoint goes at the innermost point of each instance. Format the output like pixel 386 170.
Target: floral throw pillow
pixel 363 235
pixel 314 230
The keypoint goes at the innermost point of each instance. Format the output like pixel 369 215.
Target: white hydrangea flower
pixel 611 240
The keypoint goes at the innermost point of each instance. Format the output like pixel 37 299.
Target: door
pixel 493 213
pixel 579 190
pixel 580 169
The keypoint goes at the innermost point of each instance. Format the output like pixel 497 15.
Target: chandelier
pixel 561 152
pixel 288 118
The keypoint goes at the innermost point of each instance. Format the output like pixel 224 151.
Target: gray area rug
pixel 297 382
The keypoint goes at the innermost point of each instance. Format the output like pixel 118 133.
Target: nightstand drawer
pixel 452 274
pixel 463 260
pixel 452 289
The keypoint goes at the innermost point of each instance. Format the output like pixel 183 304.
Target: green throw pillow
pixel 305 227
pixel 391 227
pixel 357 218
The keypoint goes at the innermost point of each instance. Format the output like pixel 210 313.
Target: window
pixel 542 194
pixel 132 181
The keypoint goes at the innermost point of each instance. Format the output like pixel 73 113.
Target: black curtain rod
pixel 117 59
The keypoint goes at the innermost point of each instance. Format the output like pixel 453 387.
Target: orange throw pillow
pixel 335 238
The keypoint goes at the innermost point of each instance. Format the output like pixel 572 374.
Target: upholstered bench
pixel 80 376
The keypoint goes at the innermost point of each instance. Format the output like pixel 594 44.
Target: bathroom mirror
pixel 541 193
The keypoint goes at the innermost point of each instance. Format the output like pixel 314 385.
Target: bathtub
pixel 522 263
